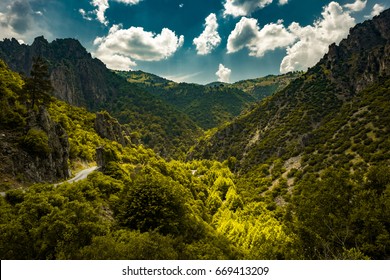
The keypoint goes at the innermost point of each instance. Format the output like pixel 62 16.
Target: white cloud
pixel 128 2
pixel 247 34
pixel 101 8
pixel 238 8
pixel 121 47
pixel 376 10
pixel 209 39
pixel 182 78
pixel 313 40
pixel 283 2
pixel 85 15
pixel 357 6
pixel 223 73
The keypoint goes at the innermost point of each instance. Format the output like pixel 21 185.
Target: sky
pixel 195 41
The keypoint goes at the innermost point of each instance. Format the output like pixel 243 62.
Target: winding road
pixel 83 174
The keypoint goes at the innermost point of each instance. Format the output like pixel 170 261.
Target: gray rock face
pixel 364 57
pixel 31 166
pixel 77 78
pixel 109 128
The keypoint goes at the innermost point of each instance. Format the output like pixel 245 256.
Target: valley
pixel 294 166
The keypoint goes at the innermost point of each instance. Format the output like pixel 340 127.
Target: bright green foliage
pixel 79 125
pixel 256 232
pixel 36 141
pixel 152 202
pixel 130 245
pixel 51 222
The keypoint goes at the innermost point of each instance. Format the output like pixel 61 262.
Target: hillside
pixel 80 80
pixel 286 123
pixel 211 105
pixel 137 206
pixel 320 144
pixel 304 174
pixel 208 107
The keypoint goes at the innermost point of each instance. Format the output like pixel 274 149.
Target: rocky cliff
pixel 76 77
pixel 81 80
pixel 363 58
pixel 37 153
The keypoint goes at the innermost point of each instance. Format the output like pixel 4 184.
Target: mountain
pixel 81 80
pixel 317 153
pixel 288 122
pixel 305 174
pixel 207 106
pixel 33 147
pixel 212 105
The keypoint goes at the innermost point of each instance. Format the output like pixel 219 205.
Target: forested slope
pixel 81 80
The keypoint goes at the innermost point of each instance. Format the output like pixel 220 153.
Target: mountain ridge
pixel 272 130
pixel 81 80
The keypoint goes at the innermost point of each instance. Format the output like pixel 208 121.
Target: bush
pixel 36 141
pixel 152 202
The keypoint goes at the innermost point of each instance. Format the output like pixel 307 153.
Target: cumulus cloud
pixel 101 8
pixel 238 8
pixel 357 6
pixel 376 10
pixel 223 73
pixel 283 2
pixel 247 34
pixel 121 47
pixel 314 40
pixel 209 39
pixel 100 11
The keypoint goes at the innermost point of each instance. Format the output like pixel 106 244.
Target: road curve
pixel 83 174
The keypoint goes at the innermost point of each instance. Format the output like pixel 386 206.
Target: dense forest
pixel 298 169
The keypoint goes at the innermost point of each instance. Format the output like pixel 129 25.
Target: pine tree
pixel 38 85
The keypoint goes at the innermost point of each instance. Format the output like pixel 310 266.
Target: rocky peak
pixel 77 78
pixel 363 57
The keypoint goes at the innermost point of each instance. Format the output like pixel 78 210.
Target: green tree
pixel 152 202
pixel 38 85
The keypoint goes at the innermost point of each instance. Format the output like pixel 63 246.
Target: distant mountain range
pixel 214 104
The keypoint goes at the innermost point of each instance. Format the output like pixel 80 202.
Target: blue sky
pixel 197 41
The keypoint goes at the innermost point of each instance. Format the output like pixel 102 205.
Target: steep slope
pixel 83 81
pixel 33 148
pixel 287 125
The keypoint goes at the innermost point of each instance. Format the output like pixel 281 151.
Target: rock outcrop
pixel 363 57
pixel 109 128
pixel 76 77
pixel 40 153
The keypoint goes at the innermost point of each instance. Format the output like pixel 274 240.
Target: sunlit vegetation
pixel 283 172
